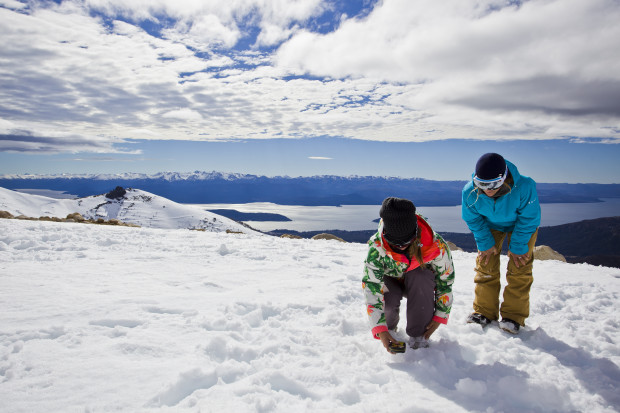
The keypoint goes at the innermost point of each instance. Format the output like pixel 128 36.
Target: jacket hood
pixel 380 231
pixel 516 176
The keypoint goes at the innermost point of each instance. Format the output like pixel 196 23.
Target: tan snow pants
pixel 516 304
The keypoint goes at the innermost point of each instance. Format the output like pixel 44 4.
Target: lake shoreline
pixel 361 217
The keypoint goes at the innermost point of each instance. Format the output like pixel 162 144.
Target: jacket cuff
pixel 519 249
pixel 485 241
pixel 377 330
pixel 440 319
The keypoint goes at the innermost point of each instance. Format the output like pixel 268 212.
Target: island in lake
pixel 250 216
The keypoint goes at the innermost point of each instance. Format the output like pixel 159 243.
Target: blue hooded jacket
pixel 517 211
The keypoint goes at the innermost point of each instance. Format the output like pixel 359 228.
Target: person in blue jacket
pixel 500 203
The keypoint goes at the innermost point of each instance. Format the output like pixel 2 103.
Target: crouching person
pixel 406 258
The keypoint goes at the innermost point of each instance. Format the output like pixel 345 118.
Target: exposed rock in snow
pixel 543 252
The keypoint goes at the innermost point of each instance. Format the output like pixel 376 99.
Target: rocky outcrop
pixel 291 236
pixel 453 246
pixel 543 252
pixel 6 214
pixel 328 237
pixel 116 193
pixel 74 217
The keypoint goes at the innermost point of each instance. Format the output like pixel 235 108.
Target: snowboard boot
pixel 478 318
pixel 418 342
pixel 509 326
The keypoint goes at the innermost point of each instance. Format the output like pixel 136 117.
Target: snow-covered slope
pixel 100 319
pixel 135 207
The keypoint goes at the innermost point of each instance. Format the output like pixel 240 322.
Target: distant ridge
pixel 200 187
pixel 592 241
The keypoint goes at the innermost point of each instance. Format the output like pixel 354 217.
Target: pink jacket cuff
pixel 377 330
pixel 440 320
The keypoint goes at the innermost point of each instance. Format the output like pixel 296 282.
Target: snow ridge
pixel 135 207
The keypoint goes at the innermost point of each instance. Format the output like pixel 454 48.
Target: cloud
pixel 272 34
pixel 209 24
pixel 560 95
pixel 322 158
pixel 104 159
pixel 28 142
pixel 476 54
pixel 398 70
pixel 183 114
pixel 12 4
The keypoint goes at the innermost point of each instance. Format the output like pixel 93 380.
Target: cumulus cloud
pixel 538 57
pixel 272 34
pixel 208 24
pixel 398 70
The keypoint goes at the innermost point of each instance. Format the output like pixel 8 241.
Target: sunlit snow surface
pixel 99 318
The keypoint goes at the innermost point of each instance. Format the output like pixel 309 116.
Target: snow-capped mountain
pixel 134 207
pixel 168 176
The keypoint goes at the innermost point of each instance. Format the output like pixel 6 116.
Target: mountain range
pixel 215 187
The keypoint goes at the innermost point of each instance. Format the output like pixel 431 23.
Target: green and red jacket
pixel 382 262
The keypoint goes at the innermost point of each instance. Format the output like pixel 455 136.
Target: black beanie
pixel 490 166
pixel 400 224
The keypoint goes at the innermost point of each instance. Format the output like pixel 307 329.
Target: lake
pixel 442 219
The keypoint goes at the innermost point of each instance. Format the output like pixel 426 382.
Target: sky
pixel 409 88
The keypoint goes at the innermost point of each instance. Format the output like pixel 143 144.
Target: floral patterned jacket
pixel 382 262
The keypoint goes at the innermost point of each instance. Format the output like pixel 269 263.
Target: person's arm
pixel 528 217
pixel 372 284
pixel 474 220
pixel 373 291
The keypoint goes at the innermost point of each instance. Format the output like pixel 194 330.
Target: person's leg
pixel 420 293
pixel 486 300
pixel 516 305
pixel 392 298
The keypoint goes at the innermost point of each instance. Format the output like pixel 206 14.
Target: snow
pixel 103 318
pixel 136 207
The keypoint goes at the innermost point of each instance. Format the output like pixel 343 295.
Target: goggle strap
pixel 503 176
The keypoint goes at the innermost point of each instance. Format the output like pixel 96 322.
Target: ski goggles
pixel 491 184
pixel 399 244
